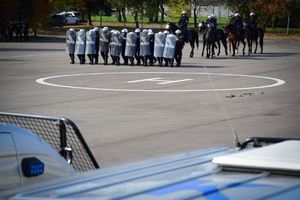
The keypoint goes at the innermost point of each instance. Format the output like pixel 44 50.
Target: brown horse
pixel 234 37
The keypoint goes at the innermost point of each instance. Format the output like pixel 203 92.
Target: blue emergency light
pixel 32 167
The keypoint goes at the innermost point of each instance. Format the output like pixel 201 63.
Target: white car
pixel 70 19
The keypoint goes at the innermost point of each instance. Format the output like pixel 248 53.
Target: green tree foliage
pixel 176 7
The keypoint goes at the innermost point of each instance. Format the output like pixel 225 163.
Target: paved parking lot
pixel 129 113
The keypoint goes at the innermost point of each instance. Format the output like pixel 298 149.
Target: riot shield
pixel 170 45
pixel 144 44
pixel 130 44
pixel 116 44
pixel 80 42
pixel 159 44
pixel 70 41
pixel 90 42
pixel 104 41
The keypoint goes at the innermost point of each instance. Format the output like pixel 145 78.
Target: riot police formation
pixel 104 44
pixel 70 44
pixel 145 47
pixel 124 35
pixel 19 27
pixel 97 46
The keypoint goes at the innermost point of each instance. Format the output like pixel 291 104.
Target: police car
pixel 47 158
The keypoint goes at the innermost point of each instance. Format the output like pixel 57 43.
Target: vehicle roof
pixel 181 176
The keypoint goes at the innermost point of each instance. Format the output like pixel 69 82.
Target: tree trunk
pixel 119 17
pixel 195 17
pixel 88 10
pixel 136 19
pixel 162 10
pixel 124 15
pixel 156 17
pixel 267 21
pixel 150 18
pixel 273 22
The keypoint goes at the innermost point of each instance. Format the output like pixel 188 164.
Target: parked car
pixel 57 20
pixel 73 13
pixel 70 19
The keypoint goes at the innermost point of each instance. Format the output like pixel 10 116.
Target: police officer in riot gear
pixel 183 25
pixel 19 28
pixel 26 30
pixel 178 48
pixel 253 21
pixel 137 49
pixel 10 30
pixel 232 18
pixel 70 44
pixel 124 35
pixel 151 57
pixel 238 23
pixel 104 44
pixel 96 55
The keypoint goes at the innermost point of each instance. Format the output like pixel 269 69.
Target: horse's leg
pixel 233 47
pixel 213 50
pixel 237 47
pixel 207 50
pixel 224 42
pixel 244 43
pixel 204 43
pixel 193 46
pixel 229 45
pixel 261 42
pixel 249 45
pixel 255 44
pixel 218 42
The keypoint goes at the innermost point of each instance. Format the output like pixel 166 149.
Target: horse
pixel 202 27
pixel 172 28
pixel 234 37
pixel 210 40
pixel 254 37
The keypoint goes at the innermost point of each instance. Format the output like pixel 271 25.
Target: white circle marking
pixel 43 81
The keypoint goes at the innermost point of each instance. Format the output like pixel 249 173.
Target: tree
pixel 8 10
pixel 269 8
pixel 176 7
pixel 239 6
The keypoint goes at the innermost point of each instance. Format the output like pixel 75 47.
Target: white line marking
pixel 177 81
pixel 278 82
pixel 160 80
pixel 144 80
pixel 30 55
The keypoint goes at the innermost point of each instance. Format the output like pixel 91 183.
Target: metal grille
pixel 61 133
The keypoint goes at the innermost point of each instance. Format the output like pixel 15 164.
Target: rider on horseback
pixel 232 18
pixel 238 22
pixel 253 23
pixel 214 19
pixel 183 25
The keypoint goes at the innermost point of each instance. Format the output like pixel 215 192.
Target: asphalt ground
pixel 129 113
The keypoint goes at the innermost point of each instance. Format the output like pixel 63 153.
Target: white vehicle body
pixel 70 18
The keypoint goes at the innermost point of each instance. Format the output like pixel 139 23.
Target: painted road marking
pixel 278 82
pixel 159 80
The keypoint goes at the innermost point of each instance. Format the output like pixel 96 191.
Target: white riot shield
pixel 159 44
pixel 116 44
pixel 90 46
pixel 104 41
pixel 144 44
pixel 170 45
pixel 70 41
pixel 80 42
pixel 130 44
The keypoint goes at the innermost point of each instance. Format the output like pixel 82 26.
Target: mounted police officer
pixel 70 44
pixel 238 23
pixel 124 35
pixel 96 56
pixel 183 25
pixel 253 21
pixel 178 48
pixel 232 18
pixel 137 49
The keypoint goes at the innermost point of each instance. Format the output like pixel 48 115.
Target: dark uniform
pixel 178 50
pixel 10 30
pixel 125 58
pixel 183 25
pixel 253 23
pixel 26 30
pixel 137 49
pixel 96 55
pixel 151 57
pixel 19 28
pixel 232 19
pixel 238 23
